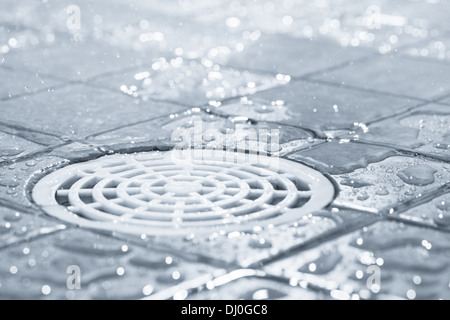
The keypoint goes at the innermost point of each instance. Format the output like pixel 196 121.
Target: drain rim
pixel 44 195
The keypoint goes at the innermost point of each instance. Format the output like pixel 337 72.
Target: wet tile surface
pixel 390 73
pixel 21 83
pixel 298 57
pixel 90 117
pixel 319 105
pixel 359 91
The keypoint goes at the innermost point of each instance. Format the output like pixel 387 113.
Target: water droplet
pixel 382 191
pixel 419 175
pixel 13 217
pixel 46 290
pixel 260 243
pixel 363 196
pixel 441 145
pixel 9 183
pixel 87 247
pixel 152 262
pixel 4 230
pixel 324 264
pixel 170 277
pixel 31 163
pixel 147 290
pixel 263 294
pixel 355 183
pixel 442 218
pixel 9 152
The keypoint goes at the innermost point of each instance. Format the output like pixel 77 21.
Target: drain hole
pixel 87 199
pixel 277 186
pixel 109 196
pixel 121 169
pixel 276 200
pixel 301 186
pixel 300 202
pixel 69 183
pixel 62 200
pixel 114 164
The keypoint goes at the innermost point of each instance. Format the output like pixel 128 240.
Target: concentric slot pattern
pixel 150 193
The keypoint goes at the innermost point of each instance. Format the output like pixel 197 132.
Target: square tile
pixel 398 75
pixel 338 158
pixel 18 83
pixel 293 56
pixel 75 60
pixel 12 146
pixel 423 129
pixel 78 111
pixel 319 106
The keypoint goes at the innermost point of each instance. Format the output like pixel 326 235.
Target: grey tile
pixel 320 106
pixel 75 60
pixel 435 213
pixel 338 158
pixel 395 74
pixel 77 111
pixel 12 146
pixel 293 56
pixel 423 129
pixel 18 83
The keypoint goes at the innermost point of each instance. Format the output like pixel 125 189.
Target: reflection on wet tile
pixel 342 157
pixel 29 269
pixel 246 249
pixel 18 226
pixel 255 289
pixel 385 260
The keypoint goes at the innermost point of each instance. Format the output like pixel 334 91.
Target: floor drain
pixel 151 193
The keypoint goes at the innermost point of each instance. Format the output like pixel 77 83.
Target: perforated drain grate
pixel 153 193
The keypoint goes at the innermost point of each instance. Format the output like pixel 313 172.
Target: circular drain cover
pixel 158 194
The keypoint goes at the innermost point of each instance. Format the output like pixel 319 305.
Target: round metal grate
pixel 156 194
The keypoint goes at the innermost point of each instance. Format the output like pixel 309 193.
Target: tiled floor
pixel 360 91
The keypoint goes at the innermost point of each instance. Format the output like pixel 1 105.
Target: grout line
pixel 34 154
pixel 364 90
pixel 29 94
pixel 6 203
pixel 336 67
pixel 21 128
pixel 401 113
pixel 404 150
pixel 325 237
